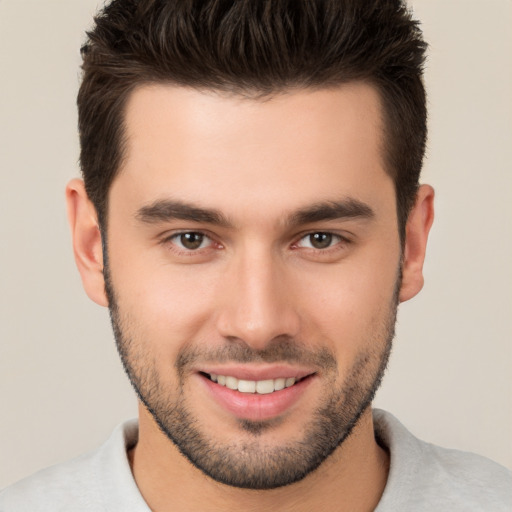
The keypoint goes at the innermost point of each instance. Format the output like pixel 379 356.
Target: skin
pixel 256 279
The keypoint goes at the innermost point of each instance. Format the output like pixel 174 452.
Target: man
pixel 251 215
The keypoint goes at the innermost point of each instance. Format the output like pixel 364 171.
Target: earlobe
pixel 87 244
pixel 417 230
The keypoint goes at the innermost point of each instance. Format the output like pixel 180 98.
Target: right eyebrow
pixel 165 210
pixel 348 208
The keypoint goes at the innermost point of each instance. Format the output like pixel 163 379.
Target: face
pixel 253 273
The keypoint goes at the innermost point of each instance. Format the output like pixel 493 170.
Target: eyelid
pixel 341 239
pixel 169 237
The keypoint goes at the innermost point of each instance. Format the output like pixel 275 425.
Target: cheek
pixel 164 307
pixel 350 309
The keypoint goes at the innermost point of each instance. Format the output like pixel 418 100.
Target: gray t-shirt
pixel 422 478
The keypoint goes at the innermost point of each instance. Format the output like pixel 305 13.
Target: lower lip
pixel 254 406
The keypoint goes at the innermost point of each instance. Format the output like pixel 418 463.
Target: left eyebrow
pixel 331 210
pixel 167 210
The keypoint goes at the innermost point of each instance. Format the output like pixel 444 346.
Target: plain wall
pixel 62 389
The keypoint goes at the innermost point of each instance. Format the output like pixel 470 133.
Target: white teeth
pixel 247 386
pixel 231 382
pixel 279 384
pixel 289 382
pixel 262 387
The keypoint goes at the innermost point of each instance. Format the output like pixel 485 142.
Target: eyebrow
pixel 332 210
pixel 166 210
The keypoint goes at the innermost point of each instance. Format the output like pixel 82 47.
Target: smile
pixel 257 394
pixel 262 387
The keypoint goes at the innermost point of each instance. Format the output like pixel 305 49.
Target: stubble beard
pixel 251 464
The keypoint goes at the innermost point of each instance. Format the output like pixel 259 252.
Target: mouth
pixel 260 387
pixel 251 398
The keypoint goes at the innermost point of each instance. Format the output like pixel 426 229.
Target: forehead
pixel 296 147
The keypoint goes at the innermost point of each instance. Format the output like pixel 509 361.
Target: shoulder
pixel 54 488
pixel 88 483
pixel 427 477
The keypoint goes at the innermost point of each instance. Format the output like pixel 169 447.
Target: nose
pixel 257 304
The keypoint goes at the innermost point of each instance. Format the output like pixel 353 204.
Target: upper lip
pixel 256 373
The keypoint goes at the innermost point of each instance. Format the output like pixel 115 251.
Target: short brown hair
pixel 257 48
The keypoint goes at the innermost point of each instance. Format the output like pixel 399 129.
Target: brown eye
pixel 320 240
pixel 191 241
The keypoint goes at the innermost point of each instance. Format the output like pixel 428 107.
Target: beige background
pixel 62 388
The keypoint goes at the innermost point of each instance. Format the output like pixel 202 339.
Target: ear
pixel 416 235
pixel 86 237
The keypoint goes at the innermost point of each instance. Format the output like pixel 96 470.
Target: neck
pixel 351 479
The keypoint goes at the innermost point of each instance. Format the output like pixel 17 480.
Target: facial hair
pixel 251 464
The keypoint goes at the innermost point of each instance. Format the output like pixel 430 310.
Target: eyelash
pixel 336 241
pixel 172 240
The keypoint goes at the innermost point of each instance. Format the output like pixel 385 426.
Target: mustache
pixel 279 350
